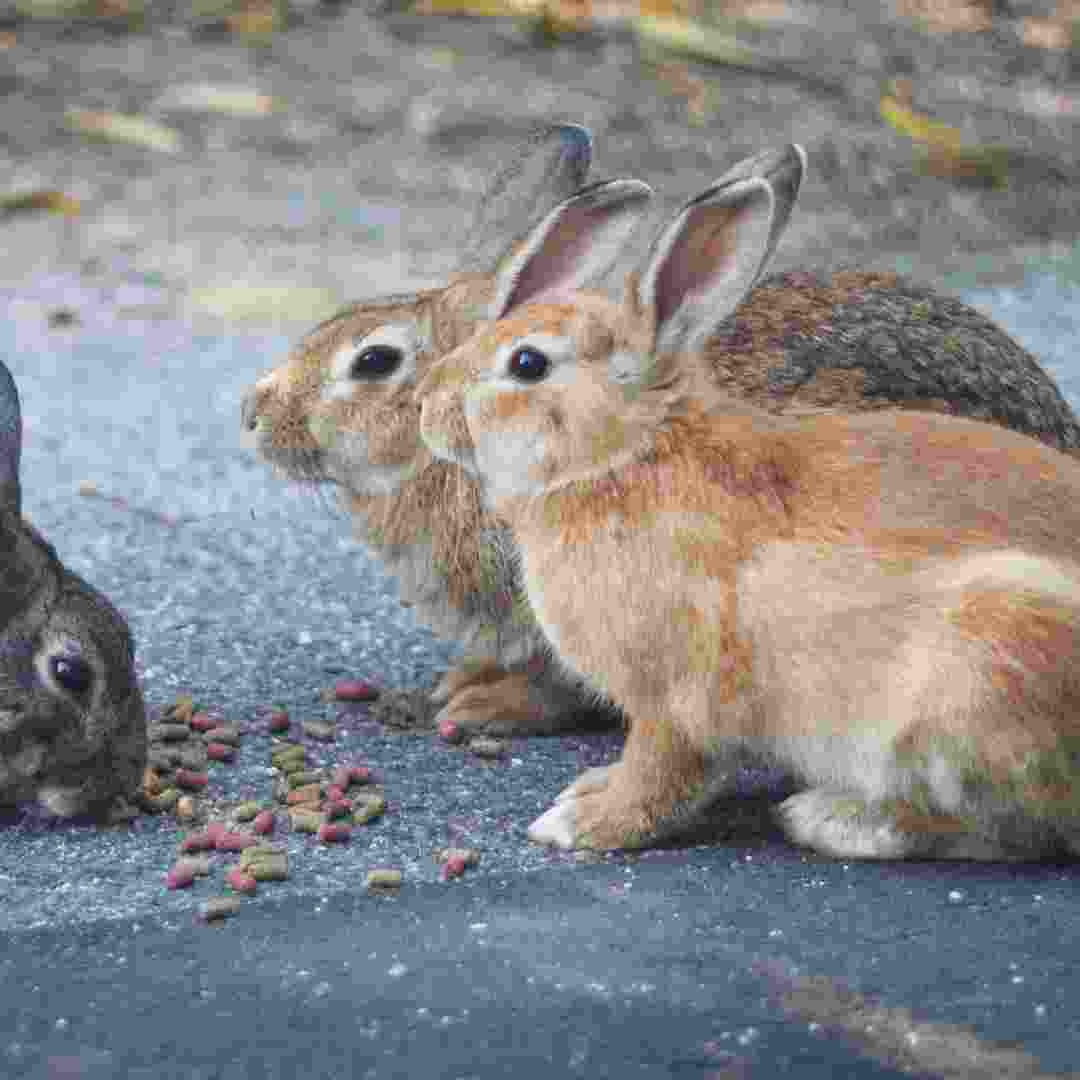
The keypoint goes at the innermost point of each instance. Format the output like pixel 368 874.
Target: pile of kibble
pixel 327 802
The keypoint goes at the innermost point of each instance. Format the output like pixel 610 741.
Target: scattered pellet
pixel 450 731
pixel 456 860
pixel 196 841
pixel 279 721
pixel 309 793
pixel 219 907
pixel 334 793
pixel 334 833
pixel 179 877
pixel 167 732
pixel 383 878
pixel 304 778
pixel 216 751
pixel 235 841
pixel 203 722
pixel 215 829
pixel 151 783
pixel 224 733
pixel 263 824
pixel 262 851
pixel 158 804
pixel 341 777
pixel 361 774
pixel 374 806
pixel 245 811
pixel 484 747
pixel 185 808
pixel 319 729
pixel 199 865
pixel 276 869
pixel 241 882
pixel 182 709
pixel 354 690
pixel 305 820
pixel 190 779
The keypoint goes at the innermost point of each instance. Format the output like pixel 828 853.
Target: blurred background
pixel 262 160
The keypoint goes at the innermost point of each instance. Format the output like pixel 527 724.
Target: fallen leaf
pixel 124 127
pixel 55 202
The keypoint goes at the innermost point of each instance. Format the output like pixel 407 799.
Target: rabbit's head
pixel 566 385
pixel 341 409
pixel 72 720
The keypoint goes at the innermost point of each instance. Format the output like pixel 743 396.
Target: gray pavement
pixel 740 959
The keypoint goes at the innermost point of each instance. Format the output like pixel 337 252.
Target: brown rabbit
pixel 886 603
pixel 798 342
pixel 72 720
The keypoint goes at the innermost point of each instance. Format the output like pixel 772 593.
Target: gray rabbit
pixel 72 718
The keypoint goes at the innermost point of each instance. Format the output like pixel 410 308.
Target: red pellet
pixel 454 867
pixel 201 722
pixel 279 721
pixel 216 751
pixel 334 834
pixel 235 841
pixel 360 774
pixel 196 841
pixel 239 882
pixel 215 829
pixel 264 822
pixel 179 877
pixel 341 777
pixel 450 731
pixel 354 690
pixel 190 779
pixel 335 793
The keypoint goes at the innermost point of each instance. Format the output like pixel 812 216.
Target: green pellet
pixel 269 870
pixel 369 810
pixel 159 804
pixel 260 852
pixel 293 765
pixel 302 779
pixel 384 878
pixel 219 907
pixel 246 811
pixel 305 820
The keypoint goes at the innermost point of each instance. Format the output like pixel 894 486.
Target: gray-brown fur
pixel 72 720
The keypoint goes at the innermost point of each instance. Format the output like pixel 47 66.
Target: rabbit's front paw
pixel 488 698
pixel 594 812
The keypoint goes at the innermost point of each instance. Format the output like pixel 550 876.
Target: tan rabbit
pixel 886 603
pixel 799 342
pixel 72 721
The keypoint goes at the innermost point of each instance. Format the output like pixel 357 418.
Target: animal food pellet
pixel 165 801
pixel 224 733
pixel 199 865
pixel 240 882
pixel 373 807
pixel 196 841
pixel 332 833
pixel 214 829
pixel 305 820
pixel 335 793
pixel 216 751
pixel 454 867
pixel 235 841
pixel 451 732
pixel 182 709
pixel 384 878
pixel 319 729
pixel 263 824
pixel 304 778
pixel 276 869
pixel 245 811
pixel 151 782
pixel 341 777
pixel 179 877
pixel 283 759
pixel 203 722
pixel 190 779
pixel 309 793
pixel 185 808
pixel 279 721
pixel 263 851
pixel 354 690
pixel 219 907
pixel 456 860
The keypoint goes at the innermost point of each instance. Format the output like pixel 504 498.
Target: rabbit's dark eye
pixel 72 673
pixel 528 364
pixel 375 362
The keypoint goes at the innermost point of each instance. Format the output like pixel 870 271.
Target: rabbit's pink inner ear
pixel 705 263
pixel 572 246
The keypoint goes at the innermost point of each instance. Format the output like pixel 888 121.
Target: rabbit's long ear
pixel 540 172
pixel 10 442
pixel 705 261
pixel 574 244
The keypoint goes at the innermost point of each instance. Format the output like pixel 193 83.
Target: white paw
pixel 555 827
pixel 589 781
pixel 842 825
